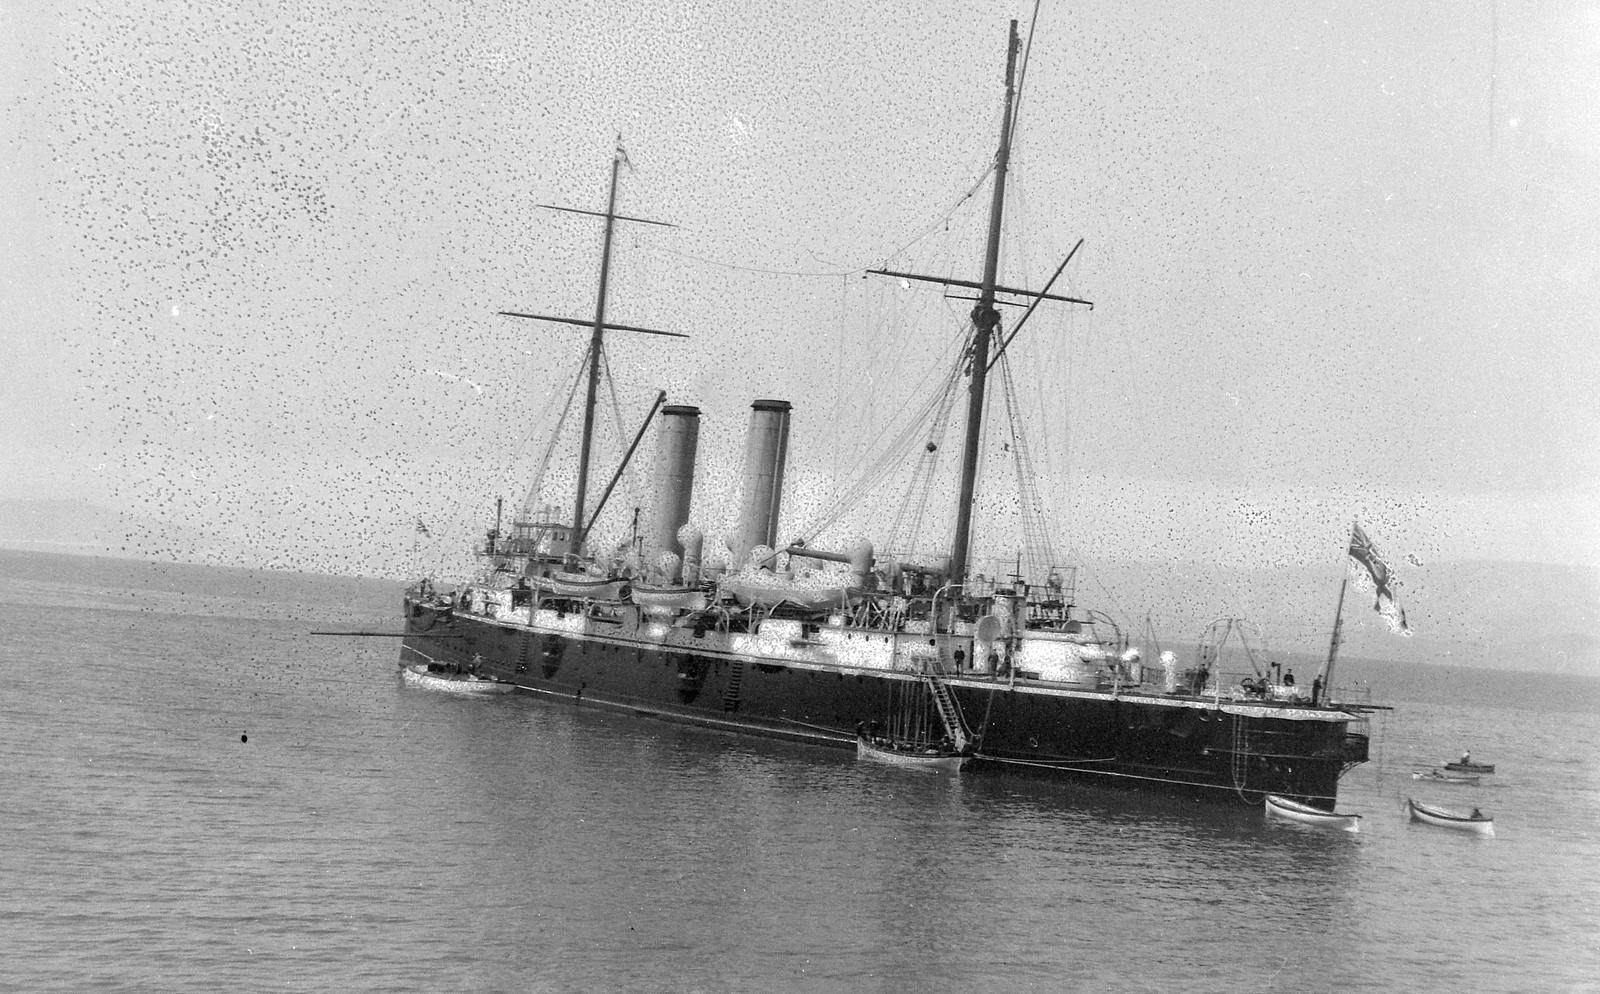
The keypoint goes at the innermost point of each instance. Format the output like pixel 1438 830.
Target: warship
pixel 854 648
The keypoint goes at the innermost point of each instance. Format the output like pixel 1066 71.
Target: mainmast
pixel 598 328
pixel 985 318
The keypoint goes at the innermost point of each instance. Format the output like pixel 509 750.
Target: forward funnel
pixel 676 442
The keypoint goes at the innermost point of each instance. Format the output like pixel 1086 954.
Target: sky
pixel 1345 262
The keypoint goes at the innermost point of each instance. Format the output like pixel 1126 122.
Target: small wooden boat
pixel 666 601
pixel 1477 822
pixel 1282 807
pixel 812 592
pixel 583 586
pixel 419 675
pixel 1464 767
pixel 885 751
pixel 1441 776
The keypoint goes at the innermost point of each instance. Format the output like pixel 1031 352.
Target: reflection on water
pixel 750 847
pixel 369 836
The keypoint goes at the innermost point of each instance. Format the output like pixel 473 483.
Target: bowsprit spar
pixel 798 641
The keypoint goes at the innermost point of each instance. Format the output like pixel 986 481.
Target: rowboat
pixel 583 586
pixel 1282 807
pixel 667 601
pixel 1440 776
pixel 1477 822
pixel 812 592
pixel 1460 767
pixel 883 751
pixel 418 675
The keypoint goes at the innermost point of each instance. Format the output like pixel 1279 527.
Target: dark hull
pixel 1176 745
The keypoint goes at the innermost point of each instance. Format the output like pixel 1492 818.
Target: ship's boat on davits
pixel 581 586
pixel 815 591
pixel 667 601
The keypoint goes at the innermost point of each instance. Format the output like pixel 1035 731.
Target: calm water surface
pixel 372 837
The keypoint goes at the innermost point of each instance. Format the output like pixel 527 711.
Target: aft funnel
pixel 765 451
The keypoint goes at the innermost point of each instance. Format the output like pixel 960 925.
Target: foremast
pixel 596 341
pixel 596 352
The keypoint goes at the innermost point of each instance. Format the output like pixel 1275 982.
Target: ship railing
pixel 1359 694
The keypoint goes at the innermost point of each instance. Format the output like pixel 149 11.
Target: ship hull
pixel 1214 750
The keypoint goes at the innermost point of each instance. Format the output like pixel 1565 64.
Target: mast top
pixel 598 327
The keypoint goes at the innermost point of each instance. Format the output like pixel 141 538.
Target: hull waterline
pixel 806 691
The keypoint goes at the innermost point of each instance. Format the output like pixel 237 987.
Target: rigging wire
pixel 528 509
pixel 908 520
pixel 870 443
pixel 630 480
pixel 892 456
pixel 1037 546
pixel 1022 75
pixel 756 269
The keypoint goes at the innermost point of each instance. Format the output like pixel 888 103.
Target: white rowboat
pixel 417 675
pixel 1439 776
pixel 1282 807
pixel 1478 823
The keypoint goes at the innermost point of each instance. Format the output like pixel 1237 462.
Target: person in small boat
pixel 1316 689
pixel 1288 678
pixel 1477 815
pixel 1466 758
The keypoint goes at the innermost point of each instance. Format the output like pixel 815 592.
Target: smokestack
pixel 765 451
pixel 676 441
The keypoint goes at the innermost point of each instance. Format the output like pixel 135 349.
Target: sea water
pixel 198 794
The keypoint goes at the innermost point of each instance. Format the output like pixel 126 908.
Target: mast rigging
pixel 598 327
pixel 986 318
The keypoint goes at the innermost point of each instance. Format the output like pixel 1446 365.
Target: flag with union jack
pixel 1371 572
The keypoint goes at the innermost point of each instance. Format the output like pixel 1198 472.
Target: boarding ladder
pixel 730 694
pixel 1239 765
pixel 949 712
